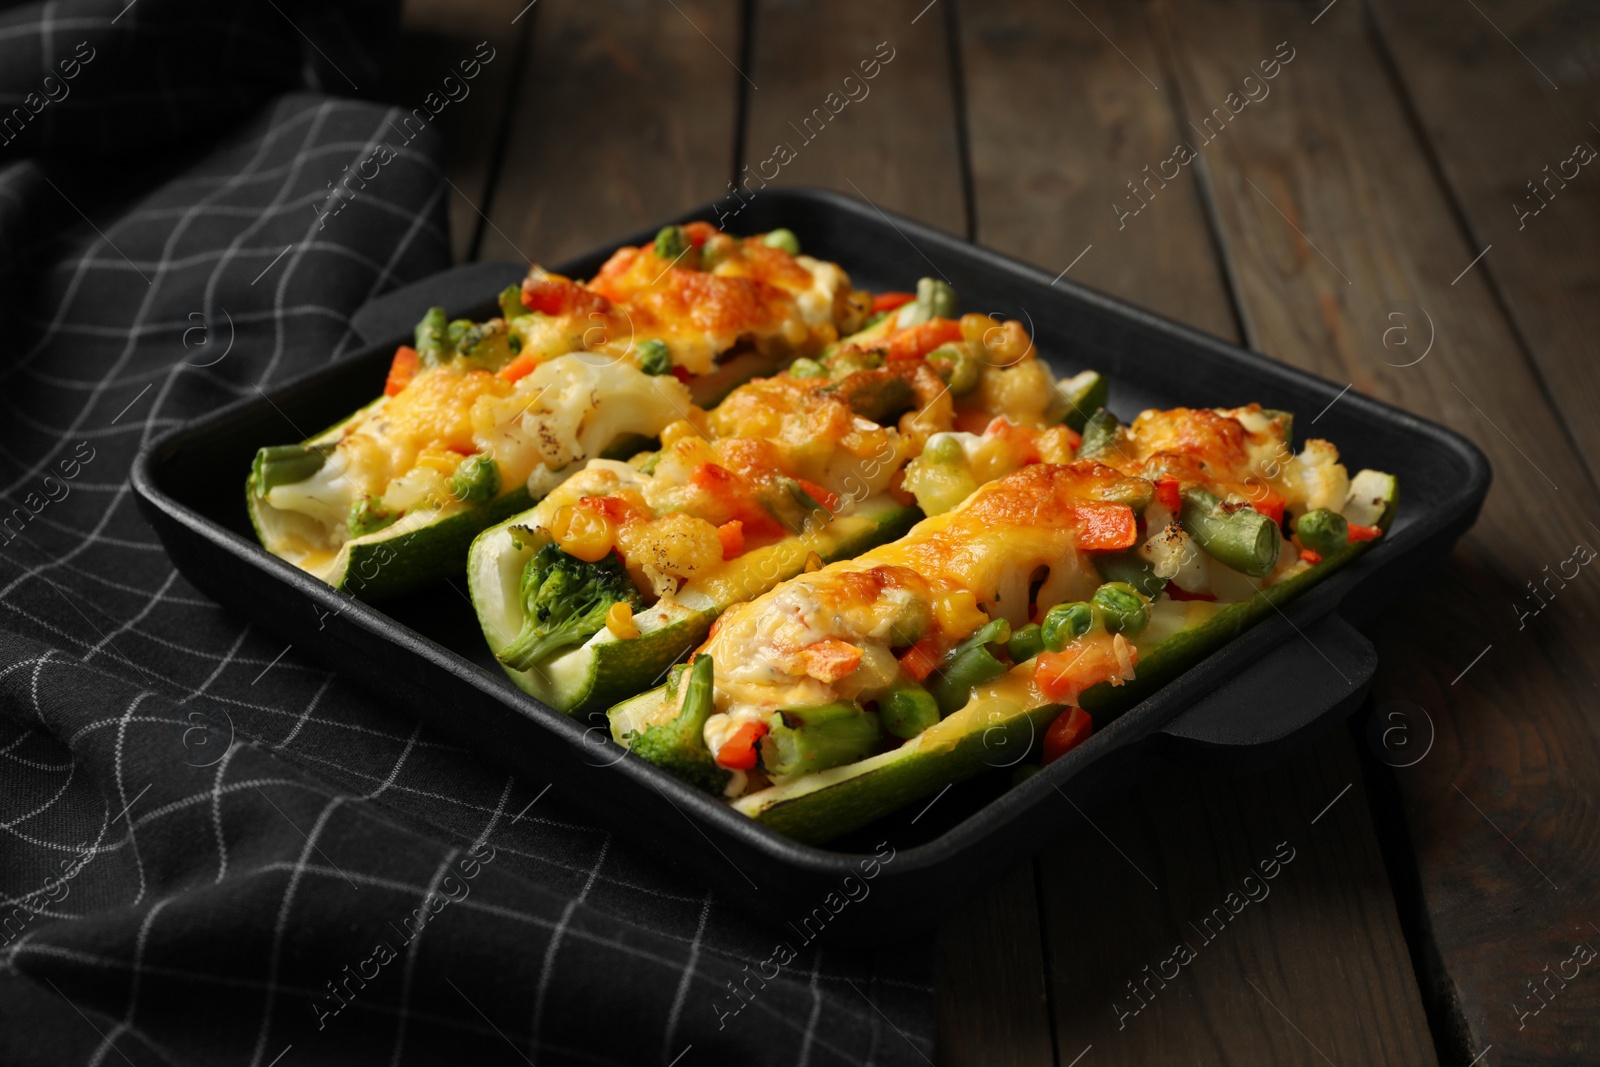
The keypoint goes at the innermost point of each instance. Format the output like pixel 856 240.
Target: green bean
pixel 809 739
pixel 284 465
pixel 432 343
pixel 477 479
pixel 511 305
pixel 1243 539
pixel 957 366
pixel 907 709
pixel 697 702
pixel 1100 434
pixel 1131 568
pixel 1064 623
pixel 969 664
pixel 936 299
pixel 1322 531
pixel 1122 608
pixel 784 239
pixel 1025 643
pixel 879 395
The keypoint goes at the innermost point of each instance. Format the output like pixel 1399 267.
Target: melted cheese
pixel 986 550
pixel 778 301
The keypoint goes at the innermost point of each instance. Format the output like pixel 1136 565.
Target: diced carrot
pixel 1310 556
pixel 1365 533
pixel 699 232
pixel 716 481
pixel 890 301
pixel 1105 527
pixel 402 370
pixel 830 659
pixel 1071 728
pixel 820 495
pixel 1074 438
pixel 731 534
pixel 520 367
pixel 1167 492
pixel 553 294
pixel 738 752
pixel 921 658
pixel 918 341
pixel 1271 505
pixel 617 510
pixel 1061 676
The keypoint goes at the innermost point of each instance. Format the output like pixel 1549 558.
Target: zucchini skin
pixel 392 562
pixel 816 808
pixel 604 670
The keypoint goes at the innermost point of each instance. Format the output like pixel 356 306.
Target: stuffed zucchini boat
pixel 479 420
pixel 591 595
pixel 1042 605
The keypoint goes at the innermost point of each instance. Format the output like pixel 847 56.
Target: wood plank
pixel 1060 123
pixel 1168 854
pixel 1499 810
pixel 1496 124
pixel 624 114
pixel 891 138
pixel 436 36
pixel 896 145
pixel 993 1007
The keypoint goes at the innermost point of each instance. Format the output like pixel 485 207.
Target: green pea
pixel 784 239
pixel 1064 623
pixel 654 357
pixel 1026 643
pixel 1123 609
pixel 944 448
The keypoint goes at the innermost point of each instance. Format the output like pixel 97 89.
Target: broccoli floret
pixel 679 747
pixel 565 601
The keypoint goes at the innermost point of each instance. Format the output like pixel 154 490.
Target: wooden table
pixel 1365 214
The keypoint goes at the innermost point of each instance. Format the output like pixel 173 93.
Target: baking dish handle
pixel 463 290
pixel 1277 704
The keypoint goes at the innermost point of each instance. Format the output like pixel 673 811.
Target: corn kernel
pixel 974 326
pixel 619 620
pixel 581 533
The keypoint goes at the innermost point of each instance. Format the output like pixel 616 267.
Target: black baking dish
pixel 426 655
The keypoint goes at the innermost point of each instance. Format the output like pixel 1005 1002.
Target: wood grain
pixel 1496 124
pixel 1063 113
pixel 1329 218
pixel 625 113
pixel 895 144
pixel 1060 122
pixel 435 36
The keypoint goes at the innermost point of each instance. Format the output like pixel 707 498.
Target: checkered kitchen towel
pixel 338 885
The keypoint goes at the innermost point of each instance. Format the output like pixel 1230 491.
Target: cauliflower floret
pixel 1319 477
pixel 670 548
pixel 1021 392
